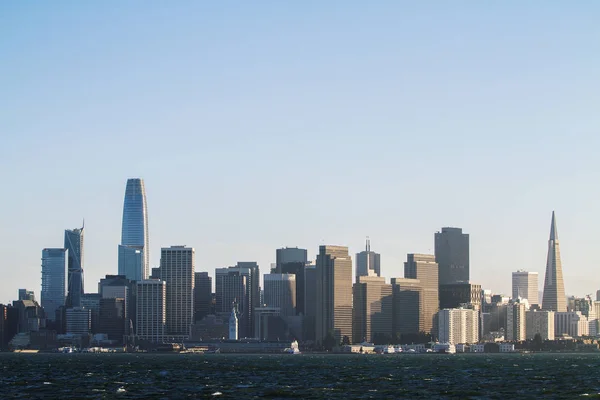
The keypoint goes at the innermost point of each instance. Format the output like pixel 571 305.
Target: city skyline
pixel 227 112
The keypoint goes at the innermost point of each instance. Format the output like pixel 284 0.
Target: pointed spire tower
pixel 554 287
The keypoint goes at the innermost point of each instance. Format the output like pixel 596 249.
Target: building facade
pixel 151 310
pixel 458 325
pixel 554 287
pixel 452 255
pixel 573 324
pixel 408 315
pixel 289 255
pixel 368 263
pixel 79 321
pixel 424 268
pixel 177 264
pixel 74 247
pixel 53 281
pixel 525 286
pixel 280 291
pixel 541 322
pixel 372 310
pixel 134 232
pixel 334 293
pixel 202 295
pixel 516 320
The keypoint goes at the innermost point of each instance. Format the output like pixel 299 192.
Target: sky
pixel 265 124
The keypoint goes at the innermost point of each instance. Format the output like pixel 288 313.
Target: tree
pixel 329 341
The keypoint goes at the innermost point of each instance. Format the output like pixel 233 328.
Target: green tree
pixel 329 341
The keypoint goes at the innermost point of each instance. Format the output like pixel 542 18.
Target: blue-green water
pixel 221 376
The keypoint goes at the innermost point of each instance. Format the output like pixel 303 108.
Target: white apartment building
pixel 458 325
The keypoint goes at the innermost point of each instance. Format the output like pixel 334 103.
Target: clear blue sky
pixel 265 124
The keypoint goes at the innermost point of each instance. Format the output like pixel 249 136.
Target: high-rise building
pixel 424 268
pixel 131 262
pixel 111 318
pixel 79 321
pixel 151 310
pixel 458 325
pixel 119 287
pixel 525 286
pixel 134 233
pixel 177 264
pixel 368 263
pixel 334 293
pixel 452 255
pixel 310 302
pixel 280 291
pixel 91 301
pixel 541 322
pixel 25 294
pixel 53 281
pixel 554 286
pixel 292 260
pixel 372 310
pixel 288 255
pixel 573 324
pixel 408 317
pixel 202 295
pixel 455 295
pixel 239 284
pixel 516 321
pixel 74 247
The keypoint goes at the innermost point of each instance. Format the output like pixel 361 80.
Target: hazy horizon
pixel 261 125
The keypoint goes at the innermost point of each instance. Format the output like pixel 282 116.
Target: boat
pixel 293 349
pixel 389 350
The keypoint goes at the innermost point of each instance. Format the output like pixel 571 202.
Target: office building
pixel 239 284
pixel 53 281
pixel 91 301
pixel 461 294
pixel 554 288
pixel 280 291
pixel 334 293
pixel 74 247
pixel 134 256
pixel 79 321
pixel 202 295
pixel 111 319
pixel 131 262
pixel 408 315
pixel 525 286
pixel 372 310
pixel 25 294
pixel 458 325
pixel 310 303
pixel 289 255
pixel 573 324
pixel 119 287
pixel 151 310
pixel 368 263
pixel 292 260
pixel 452 255
pixel 516 321
pixel 177 264
pixel 424 268
pixel 541 322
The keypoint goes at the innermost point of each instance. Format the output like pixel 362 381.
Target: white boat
pixel 66 350
pixel 293 349
pixel 389 350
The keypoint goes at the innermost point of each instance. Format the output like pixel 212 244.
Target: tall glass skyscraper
pixel 134 233
pixel 74 247
pixel 53 281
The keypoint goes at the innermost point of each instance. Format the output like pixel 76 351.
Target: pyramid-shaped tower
pixel 554 287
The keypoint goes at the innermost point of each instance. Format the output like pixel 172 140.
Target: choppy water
pixel 221 376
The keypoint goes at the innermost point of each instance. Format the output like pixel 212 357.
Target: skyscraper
pixel 452 255
pixel 202 295
pixel 334 293
pixel 368 263
pixel 408 317
pixel 424 268
pixel 525 286
pixel 289 255
pixel 151 309
pixel 280 291
pixel 53 281
pixel 134 233
pixel 372 310
pixel 74 247
pixel 177 264
pixel 554 287
pixel 292 260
